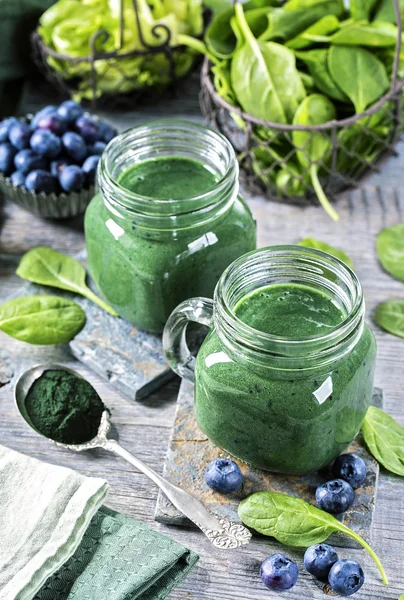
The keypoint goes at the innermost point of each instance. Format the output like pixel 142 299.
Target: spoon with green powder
pixel 63 407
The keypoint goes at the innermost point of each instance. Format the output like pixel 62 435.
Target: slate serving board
pixel 190 451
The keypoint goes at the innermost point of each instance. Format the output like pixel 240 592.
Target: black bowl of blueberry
pixel 48 161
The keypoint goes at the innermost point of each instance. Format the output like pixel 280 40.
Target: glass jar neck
pixel 288 265
pixel 168 138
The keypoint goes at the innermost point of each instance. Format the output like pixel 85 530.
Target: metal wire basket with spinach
pixel 308 91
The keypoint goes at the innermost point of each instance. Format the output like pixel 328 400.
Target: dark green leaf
pixel 385 439
pixel 49 267
pixel 313 243
pixel 377 35
pixel 359 74
pixel 390 316
pixel 317 64
pixel 294 522
pixel 312 35
pixel 390 250
pixel 41 320
pixel 362 9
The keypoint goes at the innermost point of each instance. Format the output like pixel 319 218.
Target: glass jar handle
pixel 180 358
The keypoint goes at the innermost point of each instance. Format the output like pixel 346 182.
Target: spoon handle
pixel 219 530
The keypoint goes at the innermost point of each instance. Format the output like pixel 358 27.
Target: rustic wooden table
pixel 145 428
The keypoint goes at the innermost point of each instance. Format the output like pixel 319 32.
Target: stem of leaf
pixel 325 203
pixel 372 553
pixel 197 45
pixel 94 298
pixel 242 21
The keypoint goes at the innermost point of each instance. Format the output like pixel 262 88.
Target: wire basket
pixel 269 158
pixel 113 78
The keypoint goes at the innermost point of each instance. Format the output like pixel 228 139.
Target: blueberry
pixel 53 122
pixel 106 132
pixel 319 559
pixel 57 165
pixel 278 572
pixel 350 468
pixel 17 178
pixel 75 146
pixel 47 110
pixel 45 143
pixel 97 148
pixel 223 475
pixel 7 153
pixel 90 168
pixel 87 128
pixel 71 178
pixel 40 181
pixel 5 127
pixel 70 111
pixel 26 161
pixel 346 577
pixel 335 496
pixel 19 135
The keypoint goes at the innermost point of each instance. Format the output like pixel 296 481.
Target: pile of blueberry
pixel 57 151
pixel 278 572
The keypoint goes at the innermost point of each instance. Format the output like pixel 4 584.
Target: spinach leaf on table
pixel 377 35
pixel 318 245
pixel 294 522
pixel 313 148
pixel 385 439
pixel 41 320
pixel 264 77
pixel 48 267
pixel 359 74
pixel 316 62
pixel 390 250
pixel 313 34
pixel 390 316
pixel 362 9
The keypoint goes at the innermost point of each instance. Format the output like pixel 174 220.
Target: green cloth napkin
pixel 120 559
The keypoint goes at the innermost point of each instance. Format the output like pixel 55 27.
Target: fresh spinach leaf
pixel 221 74
pixel 377 35
pixel 390 250
pixel 41 320
pixel 313 243
pixel 49 267
pixel 264 77
pixel 314 147
pixel 359 74
pixel 317 63
pixel 294 522
pixel 390 316
pixel 314 34
pixel 335 7
pixel 362 9
pixel 386 11
pixel 385 439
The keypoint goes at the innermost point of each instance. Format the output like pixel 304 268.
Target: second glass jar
pixel 147 254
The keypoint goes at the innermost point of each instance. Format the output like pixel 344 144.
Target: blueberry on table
pixel 17 178
pixel 90 168
pixel 57 165
pixel 5 127
pixel 71 178
pixel 40 181
pixel 346 577
pixel 7 154
pixel 45 143
pixel 19 135
pixel 278 572
pixel 223 475
pixel 87 128
pixel 97 148
pixel 335 496
pixel 350 468
pixel 105 132
pixel 319 559
pixel 52 122
pixel 47 110
pixel 74 146
pixel 70 111
pixel 26 161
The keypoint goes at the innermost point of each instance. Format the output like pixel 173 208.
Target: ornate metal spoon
pixel 219 530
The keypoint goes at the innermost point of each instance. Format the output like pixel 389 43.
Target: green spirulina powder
pixel 64 407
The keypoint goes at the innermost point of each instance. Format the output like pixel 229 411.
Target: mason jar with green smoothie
pixel 167 219
pixel 285 376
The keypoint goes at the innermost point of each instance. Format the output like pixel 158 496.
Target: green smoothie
pixel 292 421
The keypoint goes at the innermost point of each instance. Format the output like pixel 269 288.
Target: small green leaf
pixel 390 316
pixel 390 250
pixel 385 439
pixel 313 243
pixel 41 320
pixel 49 267
pixel 294 522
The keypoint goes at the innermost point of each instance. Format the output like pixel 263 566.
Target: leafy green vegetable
pixel 312 243
pixel 317 63
pixel 314 147
pixel 390 250
pixel 386 11
pixel 362 9
pixel 294 522
pixel 390 316
pixel 49 267
pixel 41 320
pixel 377 34
pixel 313 34
pixel 385 439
